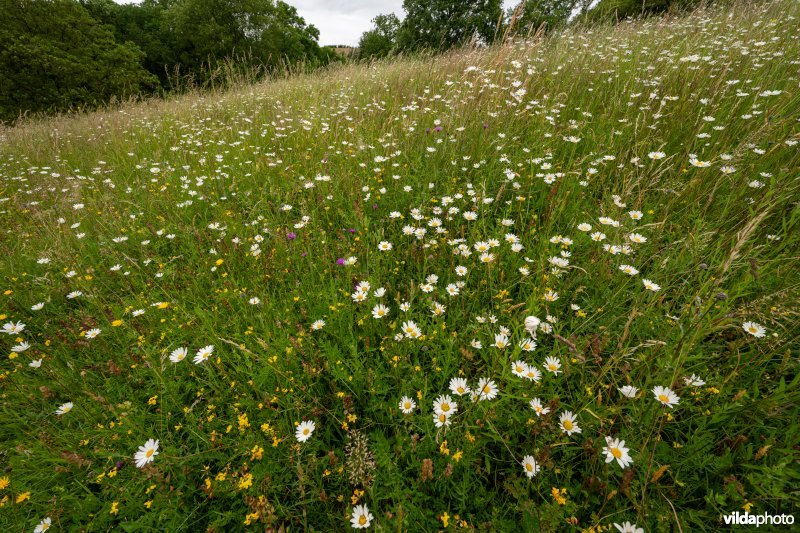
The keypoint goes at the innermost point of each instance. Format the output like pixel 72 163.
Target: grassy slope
pixel 163 175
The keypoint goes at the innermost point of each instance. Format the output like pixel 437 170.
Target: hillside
pixel 550 285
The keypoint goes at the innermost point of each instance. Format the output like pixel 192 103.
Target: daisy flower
pixel 666 396
pixel 203 354
pixel 446 405
pixel 568 423
pixel 754 329
pixel 380 311
pixel 694 380
pixel 529 466
pixel 615 450
pixel 384 246
pixel 407 405
pixel 361 517
pixel 304 430
pixel 552 364
pixel 178 354
pixel 533 374
pixel 10 328
pixel 146 453
pixel 441 419
pixel 317 325
pixel 92 333
pixel 64 408
pixel 650 286
pixel 519 368
pixel 627 527
pixel 486 390
pixel 411 330
pixel 527 345
pixel 538 408
pixel 629 391
pixel 43 526
pixel 458 386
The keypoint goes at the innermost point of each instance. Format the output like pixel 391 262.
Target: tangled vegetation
pixel 550 285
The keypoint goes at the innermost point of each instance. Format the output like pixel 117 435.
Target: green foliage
pixel 381 40
pixel 622 9
pixel 54 57
pixel 444 24
pixel 62 54
pixel 530 15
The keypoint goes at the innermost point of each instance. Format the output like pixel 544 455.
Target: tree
pixel 548 14
pixel 380 41
pixel 254 32
pixel 54 56
pixel 444 24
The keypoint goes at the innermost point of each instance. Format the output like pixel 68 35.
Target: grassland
pixel 208 272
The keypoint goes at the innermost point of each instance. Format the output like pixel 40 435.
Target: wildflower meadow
pixel 547 285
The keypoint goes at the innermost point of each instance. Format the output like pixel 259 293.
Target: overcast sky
pixel 341 21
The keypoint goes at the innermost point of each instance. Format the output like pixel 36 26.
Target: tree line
pixel 444 24
pixel 58 55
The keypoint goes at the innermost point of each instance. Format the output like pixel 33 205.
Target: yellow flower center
pixel 529 467
pixel 150 452
pixel 442 418
pixel 305 431
pixel 487 389
pixel 460 390
pixel 616 452
pixel 567 425
pixel 362 520
pixel 663 398
pixel 407 405
pixel 445 407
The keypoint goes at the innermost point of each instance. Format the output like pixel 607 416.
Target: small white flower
pixel 178 354
pixel 147 452
pixel 203 354
pixel 304 430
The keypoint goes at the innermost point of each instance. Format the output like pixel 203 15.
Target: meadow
pixel 549 285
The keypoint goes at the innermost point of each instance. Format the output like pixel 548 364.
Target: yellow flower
pixel 559 495
pixel 246 482
pixel 152 400
pixel 114 508
pixel 4 482
pixel 116 323
pixel 22 497
pixel 256 453
pixel 445 519
pixel 747 506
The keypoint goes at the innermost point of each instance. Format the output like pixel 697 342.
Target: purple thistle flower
pixel 291 235
pixel 340 261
